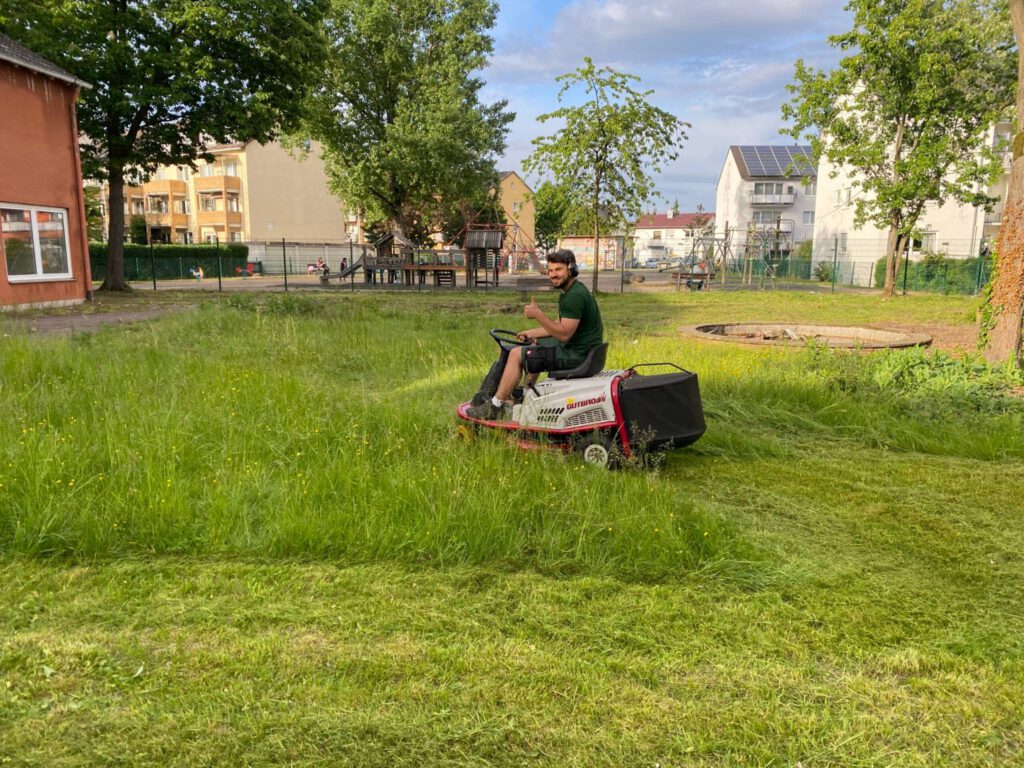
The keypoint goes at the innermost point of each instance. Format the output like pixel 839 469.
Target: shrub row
pixel 938 273
pixel 172 261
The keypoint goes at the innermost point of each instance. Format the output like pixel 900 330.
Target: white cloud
pixel 721 66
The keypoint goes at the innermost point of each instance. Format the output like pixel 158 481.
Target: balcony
pixel 786 198
pixel 994 217
pixel 221 184
pixel 219 218
pixel 783 225
pixel 166 187
pixel 167 219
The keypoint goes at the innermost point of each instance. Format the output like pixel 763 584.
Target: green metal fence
pixel 175 262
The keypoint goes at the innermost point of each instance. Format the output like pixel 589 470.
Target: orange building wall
pixel 39 165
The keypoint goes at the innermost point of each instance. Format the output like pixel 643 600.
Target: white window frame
pixel 808 218
pixel 40 276
pixel 811 189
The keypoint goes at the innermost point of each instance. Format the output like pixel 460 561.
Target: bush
pixel 823 272
pixel 172 261
pixel 938 273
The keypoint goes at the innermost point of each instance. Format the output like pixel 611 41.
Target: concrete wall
pixel 39 166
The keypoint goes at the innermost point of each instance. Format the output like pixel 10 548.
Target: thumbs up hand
pixel 531 310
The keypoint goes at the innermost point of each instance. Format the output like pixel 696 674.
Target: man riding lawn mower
pixel 605 414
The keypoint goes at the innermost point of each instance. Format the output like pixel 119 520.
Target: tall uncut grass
pixel 300 427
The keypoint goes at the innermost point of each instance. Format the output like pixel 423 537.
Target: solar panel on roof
pixel 770 160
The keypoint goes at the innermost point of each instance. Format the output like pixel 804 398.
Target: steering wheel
pixel 507 339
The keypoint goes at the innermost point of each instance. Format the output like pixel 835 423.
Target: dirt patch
pixel 948 338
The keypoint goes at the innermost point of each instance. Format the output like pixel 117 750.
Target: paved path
pixel 72 323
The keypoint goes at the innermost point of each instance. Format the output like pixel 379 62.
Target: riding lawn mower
pixel 605 415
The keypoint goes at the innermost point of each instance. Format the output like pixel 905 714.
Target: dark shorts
pixel 549 354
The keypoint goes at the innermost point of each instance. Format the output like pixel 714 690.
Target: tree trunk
pixel 114 279
pixel 892 262
pixel 1007 298
pixel 597 230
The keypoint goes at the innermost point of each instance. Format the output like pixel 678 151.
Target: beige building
pixel 520 211
pixel 248 192
pixel 611 252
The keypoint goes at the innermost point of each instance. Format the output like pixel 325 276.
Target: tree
pixel 398 111
pixel 552 213
pixel 138 230
pixel 906 111
pixel 93 212
pixel 1006 292
pixel 170 78
pixel 605 154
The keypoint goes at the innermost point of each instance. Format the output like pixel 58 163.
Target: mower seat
pixel 592 365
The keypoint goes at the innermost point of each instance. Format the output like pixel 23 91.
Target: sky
pixel 720 65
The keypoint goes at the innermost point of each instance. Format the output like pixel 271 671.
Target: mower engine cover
pixel 663 410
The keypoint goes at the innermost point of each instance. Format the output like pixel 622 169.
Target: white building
pixel 663 236
pixel 952 229
pixel 761 190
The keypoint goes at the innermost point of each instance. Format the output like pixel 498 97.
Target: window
pixel 848 196
pixel 233 203
pixel 231 168
pixel 236 237
pixel 808 217
pixel 810 190
pixel 207 203
pixel 158 205
pixel 210 238
pixel 928 241
pixel 837 197
pixel 516 208
pixel 138 207
pixel 35 242
pixel 765 218
pixel 656 235
pixel 183 174
pixel 206 170
pixel 767 188
pixel 842 242
pixel 184 206
pixel 186 237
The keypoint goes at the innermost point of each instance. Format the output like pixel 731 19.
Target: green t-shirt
pixel 579 304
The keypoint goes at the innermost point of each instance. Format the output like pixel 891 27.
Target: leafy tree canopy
pixel 170 77
pixel 398 111
pixel 605 155
pixel 907 108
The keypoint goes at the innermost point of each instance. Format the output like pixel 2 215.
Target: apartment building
pixel 767 189
pixel 520 210
pixel 247 192
pixel 669 235
pixel 952 229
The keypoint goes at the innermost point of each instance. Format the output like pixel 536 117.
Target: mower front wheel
pixel 599 451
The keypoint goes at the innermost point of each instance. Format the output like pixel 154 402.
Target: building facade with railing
pixel 767 190
pixel 952 229
pixel 246 192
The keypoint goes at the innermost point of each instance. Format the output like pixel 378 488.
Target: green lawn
pixel 249 535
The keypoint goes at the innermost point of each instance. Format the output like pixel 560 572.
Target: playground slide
pixel 356 264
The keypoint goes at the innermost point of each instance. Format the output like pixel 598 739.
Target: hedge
pixel 173 261
pixel 937 273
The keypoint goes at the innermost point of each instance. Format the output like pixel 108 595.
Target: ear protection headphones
pixel 574 270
